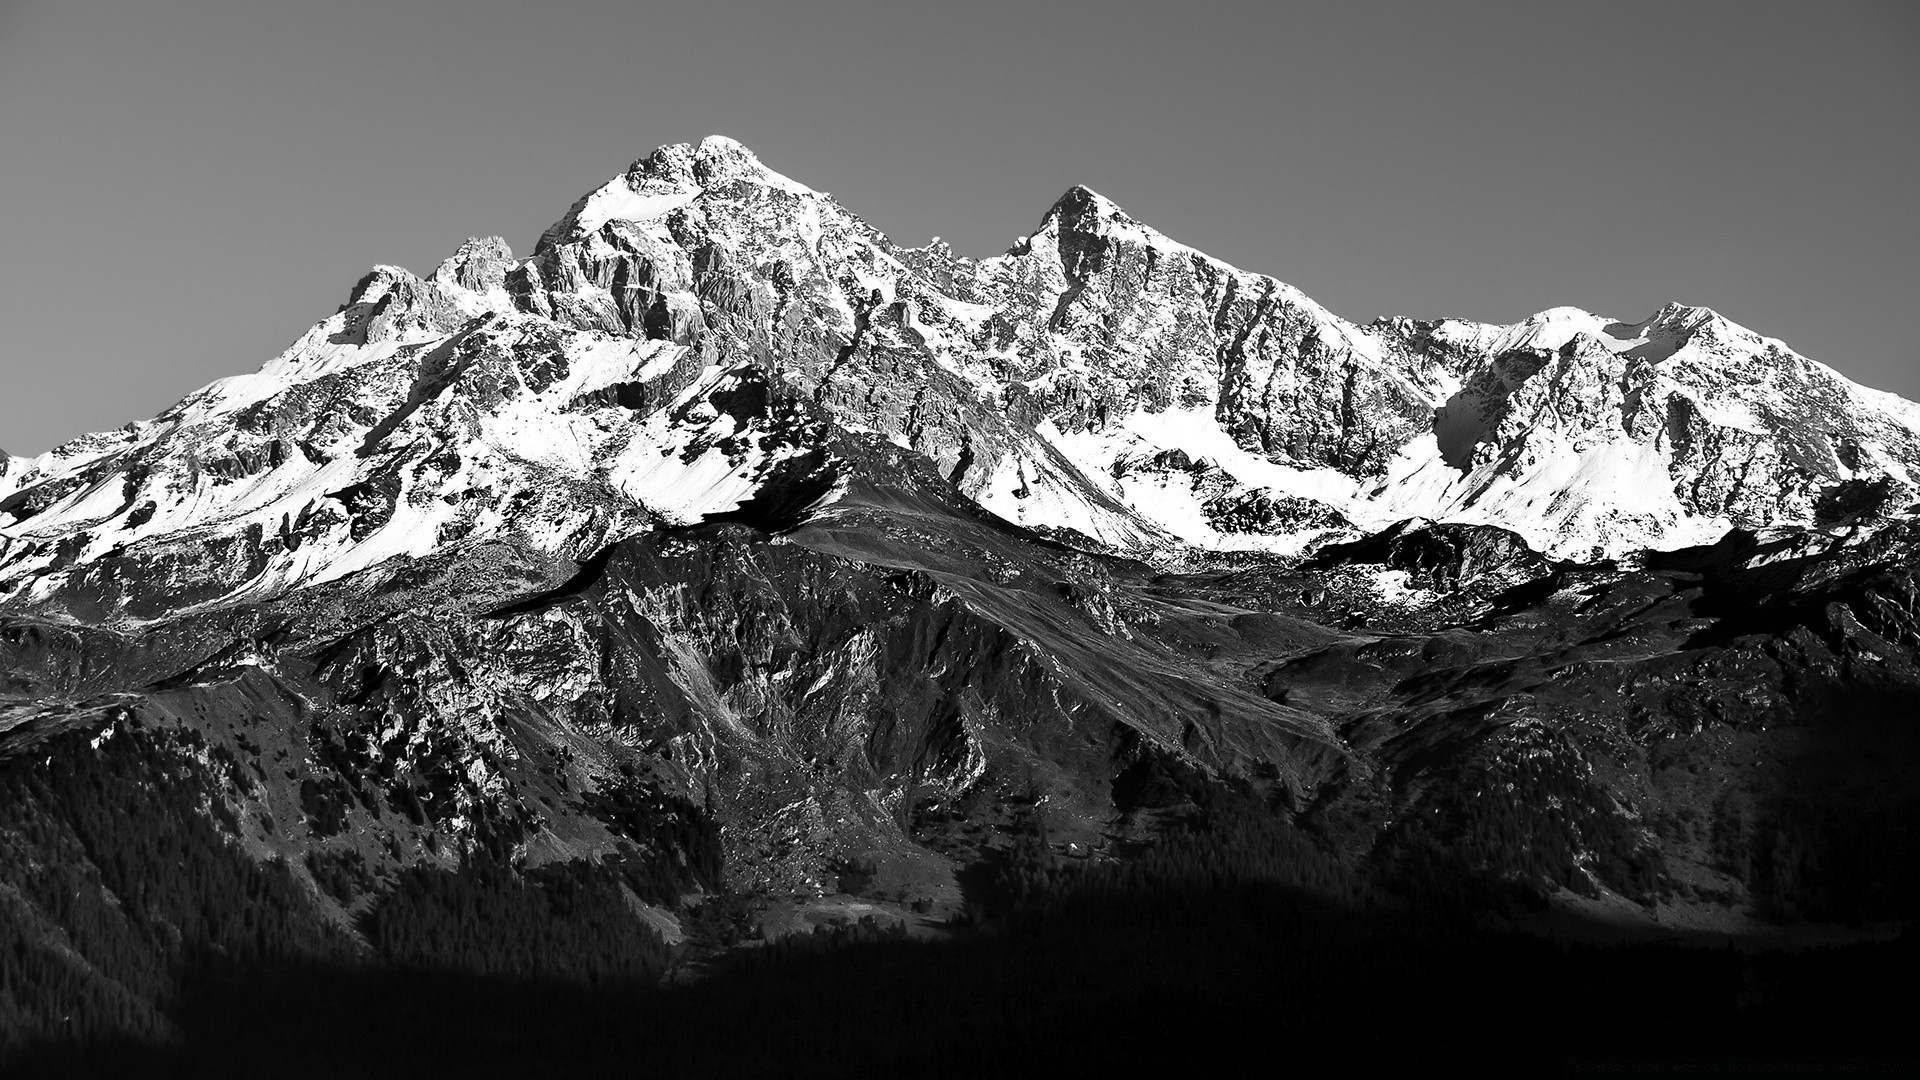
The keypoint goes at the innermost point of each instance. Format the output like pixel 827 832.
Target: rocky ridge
pixel 1098 378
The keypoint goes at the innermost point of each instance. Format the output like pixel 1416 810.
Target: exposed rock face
pixel 1446 555
pixel 724 542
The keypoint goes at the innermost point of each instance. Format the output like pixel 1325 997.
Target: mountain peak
pixel 1081 206
pixel 1565 313
pixel 713 162
pixel 480 265
pixel 1677 316
pixel 665 180
pixel 719 150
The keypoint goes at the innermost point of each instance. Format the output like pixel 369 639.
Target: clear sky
pixel 186 185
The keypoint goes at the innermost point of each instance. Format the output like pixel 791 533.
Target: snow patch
pixel 618 202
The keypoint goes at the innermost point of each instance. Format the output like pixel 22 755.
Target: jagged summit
pixel 668 178
pixel 700 330
pixel 1081 204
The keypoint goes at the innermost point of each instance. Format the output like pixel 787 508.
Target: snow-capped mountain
pixel 692 331
pixel 722 572
pixel 1224 406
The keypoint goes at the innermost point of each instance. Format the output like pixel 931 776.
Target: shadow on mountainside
pixel 1196 978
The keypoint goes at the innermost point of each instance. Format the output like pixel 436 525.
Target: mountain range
pixel 726 554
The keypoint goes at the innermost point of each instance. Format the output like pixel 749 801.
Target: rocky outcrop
pixel 1441 554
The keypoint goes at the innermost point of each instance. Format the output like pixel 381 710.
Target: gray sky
pixel 186 185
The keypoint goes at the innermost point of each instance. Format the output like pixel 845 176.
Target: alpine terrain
pixel 723 597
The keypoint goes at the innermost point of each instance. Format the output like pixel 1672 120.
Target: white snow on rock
pixel 1098 377
pixel 550 458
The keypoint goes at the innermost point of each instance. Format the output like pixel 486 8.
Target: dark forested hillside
pixel 1235 935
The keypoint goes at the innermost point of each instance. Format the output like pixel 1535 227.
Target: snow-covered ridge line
pixel 679 338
